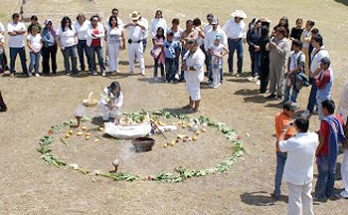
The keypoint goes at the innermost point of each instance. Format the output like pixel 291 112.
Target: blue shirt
pixel 48 38
pixel 170 49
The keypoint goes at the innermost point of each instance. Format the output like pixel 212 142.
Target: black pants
pixel 48 52
pixel 264 76
pixel 2 104
pixel 4 60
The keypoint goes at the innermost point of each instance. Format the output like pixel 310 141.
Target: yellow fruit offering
pixel 101 129
pixel 67 135
pixel 172 143
pixel 71 132
pixel 165 145
pixel 88 134
pixel 96 140
pixel 83 128
pixel 88 137
pixel 79 133
pixel 194 138
pixel 183 126
pixel 204 130
pixel 197 132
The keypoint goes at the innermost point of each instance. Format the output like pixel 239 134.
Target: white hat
pixel 239 14
pixel 134 15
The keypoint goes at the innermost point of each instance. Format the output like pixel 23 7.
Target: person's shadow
pixel 260 198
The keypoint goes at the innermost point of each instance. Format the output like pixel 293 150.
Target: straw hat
pixel 239 14
pixel 134 15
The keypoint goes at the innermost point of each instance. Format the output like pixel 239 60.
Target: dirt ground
pixel 30 186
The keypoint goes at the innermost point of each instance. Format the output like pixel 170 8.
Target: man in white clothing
pixel 235 29
pixel 343 112
pixel 210 39
pixel 119 21
pixel 194 73
pixel 135 42
pixel 298 171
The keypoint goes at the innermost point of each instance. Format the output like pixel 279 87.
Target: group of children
pixel 166 53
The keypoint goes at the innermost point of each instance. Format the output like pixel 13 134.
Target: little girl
pixel 34 42
pixel 218 50
pixel 111 102
pixel 157 52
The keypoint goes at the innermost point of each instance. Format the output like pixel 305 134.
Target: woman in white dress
pixel 115 42
pixel 157 22
pixel 111 101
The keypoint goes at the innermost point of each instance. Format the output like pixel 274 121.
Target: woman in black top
pixel 283 22
pixel 297 31
pixel 264 71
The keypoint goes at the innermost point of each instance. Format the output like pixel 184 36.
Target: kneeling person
pixel 111 101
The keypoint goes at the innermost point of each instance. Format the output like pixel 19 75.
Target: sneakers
pixel 37 75
pixel 258 82
pixel 29 74
pixel 142 73
pixel 94 73
pixel 217 86
pixel 103 73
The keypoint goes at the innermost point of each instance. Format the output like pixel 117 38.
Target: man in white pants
pixel 194 73
pixel 298 171
pixel 343 111
pixel 135 42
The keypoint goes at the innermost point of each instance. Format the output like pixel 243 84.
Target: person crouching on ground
pixel 298 171
pixel 218 51
pixel 111 102
pixel 282 122
pixel 331 133
pixel 193 67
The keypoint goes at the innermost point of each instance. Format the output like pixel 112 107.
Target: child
pixel 111 102
pixel 34 42
pixel 172 53
pixel 282 123
pixel 2 57
pixel 296 77
pixel 157 52
pixel 218 50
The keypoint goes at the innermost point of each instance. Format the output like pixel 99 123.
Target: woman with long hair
pixel 49 48
pixel 157 22
pixel 264 66
pixel 115 42
pixel 283 22
pixel 81 26
pixel 67 40
pixel 158 52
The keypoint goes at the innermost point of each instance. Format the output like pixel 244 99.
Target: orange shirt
pixel 281 121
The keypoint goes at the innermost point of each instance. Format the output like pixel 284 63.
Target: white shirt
pixel 235 30
pixel 294 58
pixel 195 60
pixel 343 106
pixel 100 35
pixel 67 37
pixel 35 41
pixel 119 23
pixel 155 24
pixel 211 36
pixel 176 35
pixel 106 97
pixel 145 23
pixel 316 58
pixel 2 28
pixel 199 39
pixel 81 30
pixel 301 149
pixel 114 35
pixel 18 40
pixel 135 33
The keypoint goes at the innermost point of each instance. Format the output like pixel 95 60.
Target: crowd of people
pixel 282 62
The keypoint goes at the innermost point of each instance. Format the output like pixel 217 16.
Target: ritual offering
pixel 79 112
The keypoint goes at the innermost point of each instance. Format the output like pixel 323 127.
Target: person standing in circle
pixel 193 63
pixel 115 42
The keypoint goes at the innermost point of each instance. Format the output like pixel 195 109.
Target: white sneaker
pixel 251 79
pixel 37 75
pixel 103 73
pixel 142 73
pixel 217 86
pixel 258 82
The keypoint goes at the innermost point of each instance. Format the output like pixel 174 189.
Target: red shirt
pixel 325 131
pixel 95 42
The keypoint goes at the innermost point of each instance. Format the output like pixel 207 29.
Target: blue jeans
pixel 171 69
pixel 326 179
pixel 13 56
pixel 155 69
pixel 294 93
pixel 34 62
pixel 234 45
pixel 183 52
pixel 281 159
pixel 82 51
pixel 255 63
pixel 70 52
pixel 92 50
pixel 312 102
pixel 208 61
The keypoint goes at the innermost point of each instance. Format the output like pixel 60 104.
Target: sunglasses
pixel 190 42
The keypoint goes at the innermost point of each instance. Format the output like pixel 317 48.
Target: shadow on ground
pixel 260 198
pixel 344 2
